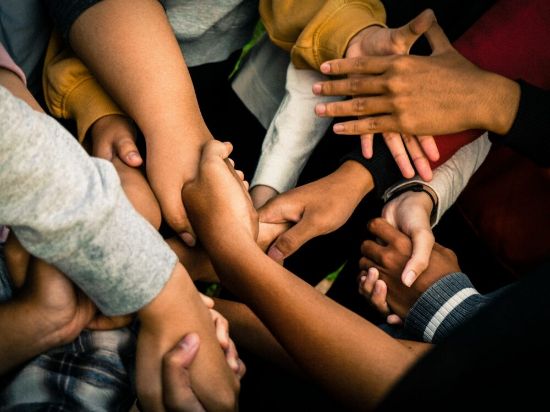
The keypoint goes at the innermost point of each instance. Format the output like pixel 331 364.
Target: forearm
pixel 175 312
pixel 318 334
pixel 26 335
pixel 528 133
pixel 69 210
pixel 148 76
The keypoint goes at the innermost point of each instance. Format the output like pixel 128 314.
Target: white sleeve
pixel 450 178
pixel 293 133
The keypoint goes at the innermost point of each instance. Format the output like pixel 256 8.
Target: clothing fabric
pixel 493 361
pixel 24 32
pixel 208 31
pixel 451 178
pixel 293 133
pixel 70 210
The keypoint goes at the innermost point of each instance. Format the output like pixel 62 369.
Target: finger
pixel 177 392
pixel 207 300
pixel 352 86
pixel 379 296
pixel 370 281
pixel 422 244
pixel 356 65
pixel 366 145
pixel 429 147
pixel 291 240
pixel 281 209
pixel 242 369
pixel 216 149
pixel 171 204
pixel 394 319
pixel 386 232
pixel 394 141
pixel 232 357
pixel 358 106
pixel 405 36
pixel 438 40
pixel 127 151
pixel 375 124
pixel 421 163
pixel 240 174
pixel 222 329
pixel 371 251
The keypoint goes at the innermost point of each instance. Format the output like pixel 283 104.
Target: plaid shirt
pixel 90 374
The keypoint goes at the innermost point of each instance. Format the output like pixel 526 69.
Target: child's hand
pixel 114 136
pixel 389 258
pixel 218 201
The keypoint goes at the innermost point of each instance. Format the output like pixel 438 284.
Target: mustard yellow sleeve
pixel 318 30
pixel 70 90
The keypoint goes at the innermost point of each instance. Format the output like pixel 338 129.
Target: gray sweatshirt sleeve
pixel 447 304
pixel 69 209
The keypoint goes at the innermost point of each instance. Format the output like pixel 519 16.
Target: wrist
pixel 354 45
pixel 355 177
pixel 502 103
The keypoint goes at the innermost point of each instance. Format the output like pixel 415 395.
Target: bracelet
pixel 414 187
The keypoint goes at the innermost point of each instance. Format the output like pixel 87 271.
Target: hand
pixel 62 306
pixel 403 93
pixel 178 394
pixel 389 257
pixel 410 213
pixel 317 208
pixel 380 41
pixel 222 192
pixel 115 136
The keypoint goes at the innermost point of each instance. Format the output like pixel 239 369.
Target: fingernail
pixel 321 109
pixel 338 127
pixel 188 342
pixel 188 239
pixel 377 289
pixel 133 156
pixel 362 279
pixel 233 364
pixel 325 68
pixel 409 278
pixel 275 254
pixel 317 87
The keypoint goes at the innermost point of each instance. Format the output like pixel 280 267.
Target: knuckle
pixel 359 105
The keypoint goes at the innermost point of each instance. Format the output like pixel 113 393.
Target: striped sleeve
pixel 447 304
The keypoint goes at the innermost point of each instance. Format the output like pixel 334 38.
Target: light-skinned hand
pixel 388 255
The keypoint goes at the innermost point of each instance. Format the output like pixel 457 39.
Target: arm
pixel 316 208
pixel 164 107
pixel 292 135
pixel 366 361
pixel 68 209
pixel 315 30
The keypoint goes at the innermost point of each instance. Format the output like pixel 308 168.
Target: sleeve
pixel 293 133
pixel 529 134
pixel 69 209
pixel 6 62
pixel 450 179
pixel 70 90
pixel 65 12
pixel 381 165
pixel 318 30
pixel 443 307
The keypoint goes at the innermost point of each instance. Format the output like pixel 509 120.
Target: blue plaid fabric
pixel 93 373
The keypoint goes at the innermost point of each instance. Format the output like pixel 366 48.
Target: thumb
pixel 127 151
pixel 177 392
pixel 405 36
pixel 438 39
pixel 174 212
pixel 291 240
pixel 422 244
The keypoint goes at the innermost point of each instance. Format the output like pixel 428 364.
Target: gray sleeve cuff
pixel 444 306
